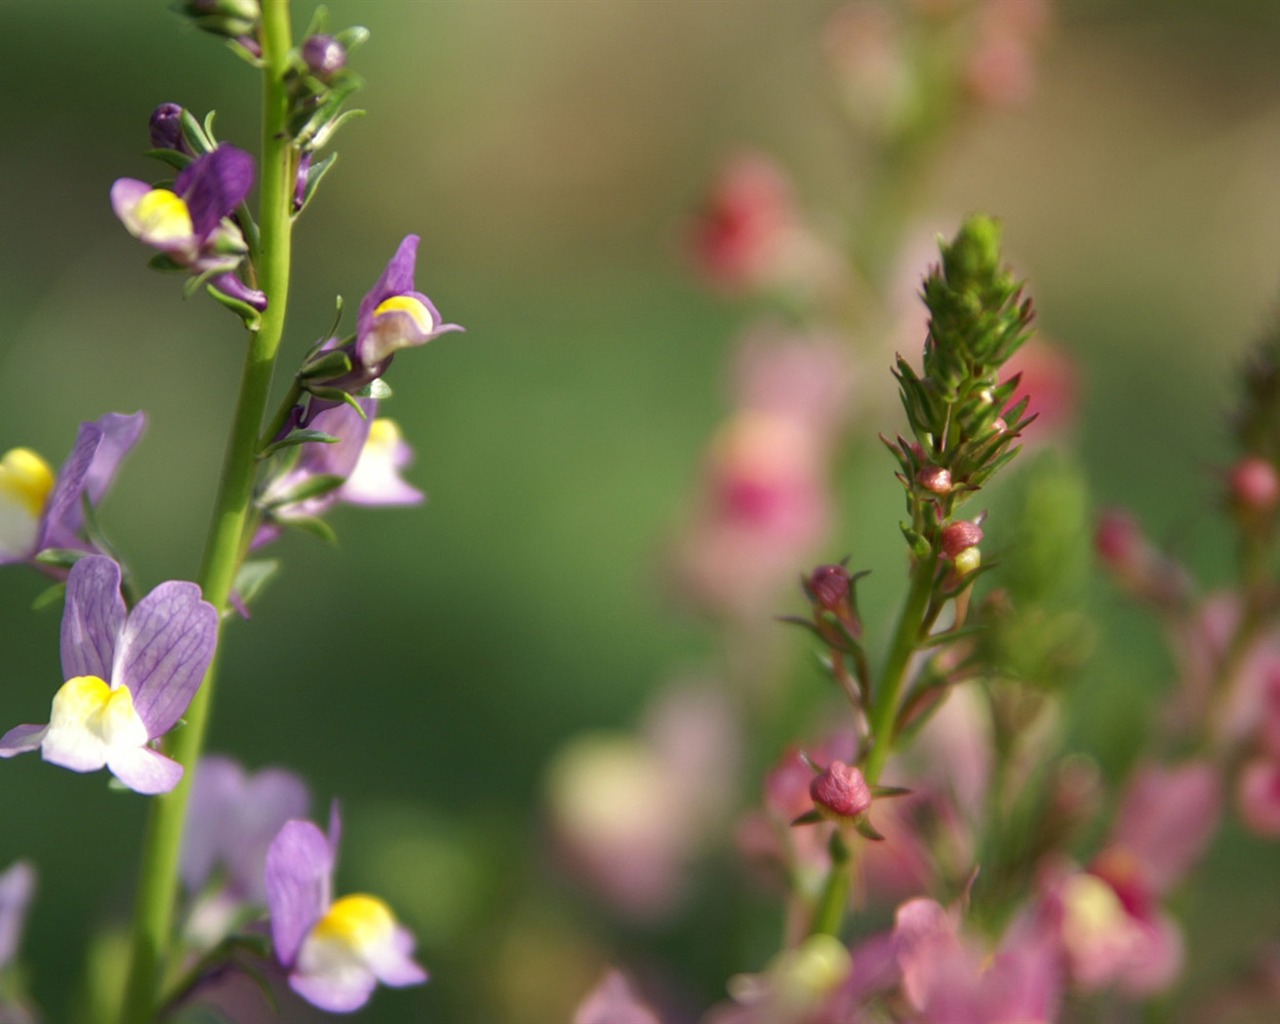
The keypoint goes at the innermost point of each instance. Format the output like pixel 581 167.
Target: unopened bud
pixel 935 478
pixel 324 56
pixel 166 128
pixel 829 585
pixel 840 792
pixel 1254 484
pixel 960 536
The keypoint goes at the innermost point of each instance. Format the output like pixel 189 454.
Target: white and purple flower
pixel 39 510
pixel 190 222
pixel 364 465
pixel 129 677
pixel 335 951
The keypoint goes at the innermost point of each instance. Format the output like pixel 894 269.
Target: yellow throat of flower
pixel 163 217
pixel 358 922
pixel 25 480
pixel 407 304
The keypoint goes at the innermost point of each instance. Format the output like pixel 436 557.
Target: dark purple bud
pixel 324 56
pixel 960 536
pixel 840 792
pixel 166 128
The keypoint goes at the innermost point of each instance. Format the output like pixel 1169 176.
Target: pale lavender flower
pixel 129 677
pixel 366 458
pixel 233 818
pixel 189 222
pixel 392 316
pixel 336 951
pixel 17 885
pixel 39 510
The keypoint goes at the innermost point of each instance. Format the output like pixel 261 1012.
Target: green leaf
pixel 312 525
pixel 48 596
pixel 312 487
pixel 296 438
pixel 253 576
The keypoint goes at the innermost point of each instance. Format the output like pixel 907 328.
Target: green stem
pixel 828 916
pixel 157 888
pixel 888 691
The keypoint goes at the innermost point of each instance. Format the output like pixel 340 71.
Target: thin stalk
pixel 158 883
pixel 828 916
pixel 888 691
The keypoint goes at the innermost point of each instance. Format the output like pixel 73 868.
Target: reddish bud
pixel 840 792
pixel 1254 483
pixel 829 585
pixel 960 536
pixel 935 478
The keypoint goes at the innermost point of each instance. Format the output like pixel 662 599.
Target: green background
pixel 549 153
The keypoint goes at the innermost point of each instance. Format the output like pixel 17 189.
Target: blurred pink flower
pixel 764 504
pixel 630 811
pixel 1001 68
pixel 740 237
pixel 613 1001
pixel 1051 380
pixel 949 977
pixel 1258 796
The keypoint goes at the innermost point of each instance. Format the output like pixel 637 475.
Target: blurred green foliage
pixel 548 152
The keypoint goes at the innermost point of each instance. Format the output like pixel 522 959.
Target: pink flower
pixel 613 1001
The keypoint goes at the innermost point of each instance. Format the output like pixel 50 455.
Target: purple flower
pixel 367 457
pixel 39 510
pixel 16 888
pixel 232 819
pixel 392 315
pixel 129 677
pixel 324 56
pixel 166 128
pixel 336 952
pixel 188 224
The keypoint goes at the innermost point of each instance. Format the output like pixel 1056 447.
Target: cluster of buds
pixel 237 21
pixel 319 84
pixel 965 423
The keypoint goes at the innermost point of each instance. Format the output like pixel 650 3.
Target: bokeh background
pixel 426 669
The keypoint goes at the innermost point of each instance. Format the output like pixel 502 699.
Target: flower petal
pixel 396 279
pixel 16 887
pixel 92 618
pixel 89 469
pixel 214 185
pixel 144 770
pixel 22 739
pixel 336 991
pixel 299 863
pixel 164 652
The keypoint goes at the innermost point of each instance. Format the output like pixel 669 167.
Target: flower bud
pixel 960 536
pixel 839 792
pixel 935 478
pixel 829 585
pixel 324 56
pixel 166 128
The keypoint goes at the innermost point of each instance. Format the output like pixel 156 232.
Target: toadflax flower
pixel 129 677
pixel 39 510
pixel 189 223
pixel 364 464
pixel 336 951
pixel 392 316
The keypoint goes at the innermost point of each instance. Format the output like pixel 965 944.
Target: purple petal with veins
pixel 92 618
pixel 164 652
pixel 299 864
